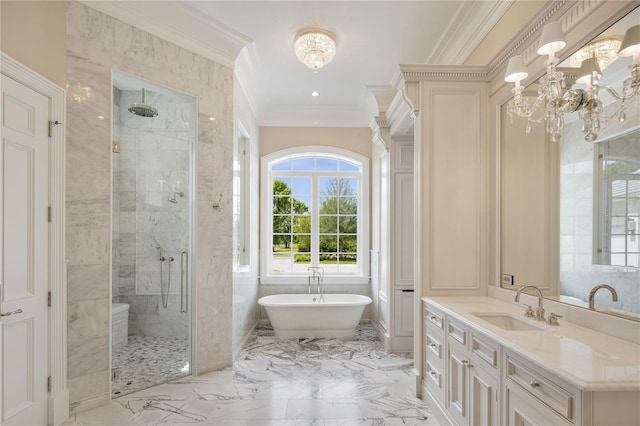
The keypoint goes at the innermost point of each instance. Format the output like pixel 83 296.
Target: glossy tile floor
pixel 319 382
pixel 146 361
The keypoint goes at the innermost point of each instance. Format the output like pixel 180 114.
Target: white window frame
pixel 266 201
pixel 241 202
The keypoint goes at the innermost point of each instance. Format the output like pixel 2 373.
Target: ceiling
pixel 373 38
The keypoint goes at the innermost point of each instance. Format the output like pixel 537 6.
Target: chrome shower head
pixel 142 109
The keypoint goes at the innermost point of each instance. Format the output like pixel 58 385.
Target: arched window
pixel 315 213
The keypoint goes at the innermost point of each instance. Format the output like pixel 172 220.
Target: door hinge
pixel 49 299
pixel 49 385
pixel 51 124
pixel 49 214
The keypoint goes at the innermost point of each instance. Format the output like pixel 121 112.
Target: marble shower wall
pixel 96 46
pixel 578 274
pixel 155 166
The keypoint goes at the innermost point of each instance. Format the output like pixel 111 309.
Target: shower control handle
pixel 184 281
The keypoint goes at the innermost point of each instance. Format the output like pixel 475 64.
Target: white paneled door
pixel 25 237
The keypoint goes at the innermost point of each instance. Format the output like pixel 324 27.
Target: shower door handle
pixel 184 281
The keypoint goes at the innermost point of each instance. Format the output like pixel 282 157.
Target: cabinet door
pixel 483 397
pixel 457 393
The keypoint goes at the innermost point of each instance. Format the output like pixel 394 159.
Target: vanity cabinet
pixel 472 378
pixel 472 389
pixel 461 370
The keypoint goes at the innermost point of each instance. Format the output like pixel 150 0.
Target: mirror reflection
pixel 570 210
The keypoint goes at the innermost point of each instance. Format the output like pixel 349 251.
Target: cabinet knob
pixel 534 384
pixel 433 318
pixel 433 345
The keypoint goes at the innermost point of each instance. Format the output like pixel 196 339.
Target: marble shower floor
pixel 146 361
pixel 319 382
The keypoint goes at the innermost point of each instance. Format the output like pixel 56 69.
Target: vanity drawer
pixel 434 347
pixel 559 399
pixel 433 377
pixel 457 332
pixel 484 351
pixel 433 317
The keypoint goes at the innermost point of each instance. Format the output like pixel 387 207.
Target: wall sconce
pixel 557 101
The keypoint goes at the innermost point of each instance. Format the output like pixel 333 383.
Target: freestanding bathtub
pixel 312 316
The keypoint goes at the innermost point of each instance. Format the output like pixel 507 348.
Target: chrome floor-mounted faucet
pixel 316 276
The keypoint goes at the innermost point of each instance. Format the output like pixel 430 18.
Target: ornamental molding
pixel 380 127
pixel 417 73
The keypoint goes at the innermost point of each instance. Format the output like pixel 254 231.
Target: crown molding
pixel 380 127
pixel 473 21
pixel 179 24
pixel 417 73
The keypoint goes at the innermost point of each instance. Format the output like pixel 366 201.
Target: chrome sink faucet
pixel 592 294
pixel 539 314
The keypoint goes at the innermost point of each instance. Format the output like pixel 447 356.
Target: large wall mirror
pixel 570 210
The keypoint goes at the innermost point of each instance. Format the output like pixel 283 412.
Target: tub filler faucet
pixel 316 276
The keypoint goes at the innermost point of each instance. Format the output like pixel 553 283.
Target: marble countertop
pixel 590 360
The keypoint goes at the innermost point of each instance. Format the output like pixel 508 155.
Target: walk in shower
pixel 153 146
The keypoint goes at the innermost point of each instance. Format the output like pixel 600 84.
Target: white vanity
pixel 485 363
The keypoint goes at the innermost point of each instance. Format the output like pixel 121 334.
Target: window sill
pixel 303 280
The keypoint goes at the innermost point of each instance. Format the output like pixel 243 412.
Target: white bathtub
pixel 299 316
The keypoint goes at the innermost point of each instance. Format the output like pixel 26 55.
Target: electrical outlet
pixel 507 280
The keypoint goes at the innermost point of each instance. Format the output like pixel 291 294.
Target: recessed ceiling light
pixel 212 118
pixel 315 94
pixel 101 117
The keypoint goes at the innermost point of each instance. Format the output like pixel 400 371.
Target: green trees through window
pixel 333 230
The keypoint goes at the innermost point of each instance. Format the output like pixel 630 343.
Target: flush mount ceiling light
pixel 605 49
pixel 315 48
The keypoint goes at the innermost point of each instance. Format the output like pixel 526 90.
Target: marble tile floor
pixel 147 361
pixel 276 382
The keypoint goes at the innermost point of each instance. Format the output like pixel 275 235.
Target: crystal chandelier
pixel 556 100
pixel 315 48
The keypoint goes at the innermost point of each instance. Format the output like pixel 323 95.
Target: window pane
pixel 281 224
pixel 328 205
pixel 348 224
pixel 282 165
pixel 328 243
pixel 633 243
pixel 348 243
pixel 301 186
pixel 329 262
pixel 302 243
pixel 281 205
pixel 304 163
pixel 328 187
pixel 634 206
pixel 326 164
pixel 282 243
pixel 618 225
pixel 348 167
pixel 618 259
pixel 348 205
pixel 348 263
pixel 618 207
pixel 349 186
pixel 633 259
pixel 617 243
pixel 328 224
pixel 301 205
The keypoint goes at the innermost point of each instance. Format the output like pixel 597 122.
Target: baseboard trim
pixel 88 404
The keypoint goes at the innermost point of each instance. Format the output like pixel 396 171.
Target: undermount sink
pixel 505 321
